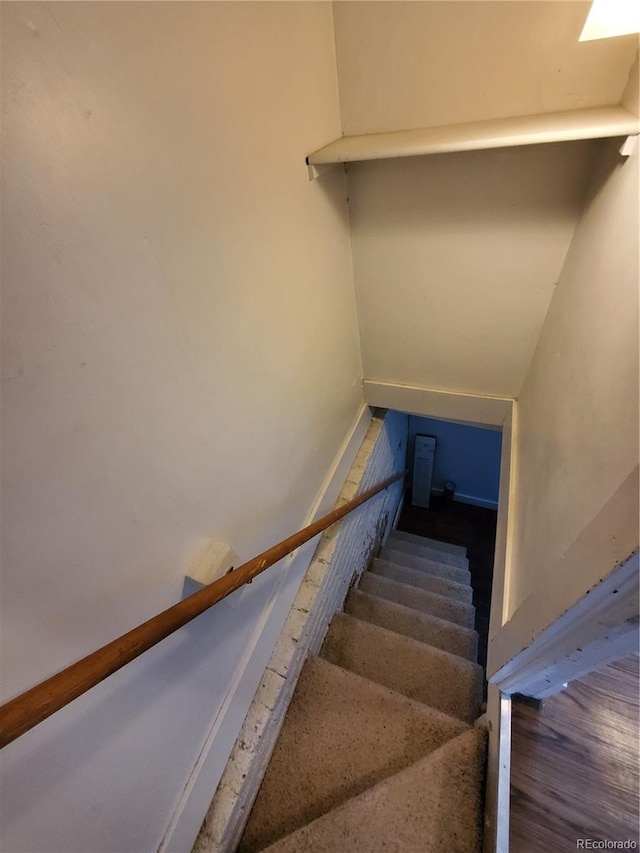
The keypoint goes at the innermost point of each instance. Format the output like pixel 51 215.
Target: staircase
pixel 378 751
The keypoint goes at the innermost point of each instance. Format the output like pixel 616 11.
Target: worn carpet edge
pixel 450 609
pixel 427 552
pixel 343 734
pixel 429 675
pixel 433 806
pixel 441 570
pixel 425 541
pixel 424 627
pixel 432 583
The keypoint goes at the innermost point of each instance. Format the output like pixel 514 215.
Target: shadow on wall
pixel 468 456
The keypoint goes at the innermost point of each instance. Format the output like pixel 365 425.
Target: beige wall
pixel 414 64
pixel 455 259
pixel 578 410
pixel 180 360
pixel 456 256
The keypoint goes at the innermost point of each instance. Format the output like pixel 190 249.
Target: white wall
pixel 577 439
pixel 180 360
pixel 455 261
pixel 415 64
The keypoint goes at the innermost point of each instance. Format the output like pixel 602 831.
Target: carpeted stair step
pixel 432 583
pixel 412 623
pixel 425 542
pixel 428 553
pixel 443 570
pixel 460 612
pixel 431 807
pixel 439 679
pixel 342 734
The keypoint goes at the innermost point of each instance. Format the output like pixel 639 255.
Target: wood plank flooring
pixel 574 763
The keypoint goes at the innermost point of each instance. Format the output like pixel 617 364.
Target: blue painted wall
pixel 469 456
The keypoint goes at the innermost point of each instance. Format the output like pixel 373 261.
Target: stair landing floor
pixel 574 763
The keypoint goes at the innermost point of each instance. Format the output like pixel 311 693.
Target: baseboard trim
pixel 469 499
pixel 192 805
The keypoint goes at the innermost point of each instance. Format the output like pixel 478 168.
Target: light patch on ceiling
pixel 610 18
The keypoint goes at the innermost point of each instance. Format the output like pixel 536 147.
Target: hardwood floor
pixel 574 764
pixel 461 524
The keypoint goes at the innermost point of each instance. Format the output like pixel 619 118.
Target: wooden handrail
pixel 33 706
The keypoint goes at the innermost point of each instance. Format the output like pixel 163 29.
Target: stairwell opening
pixel 463 501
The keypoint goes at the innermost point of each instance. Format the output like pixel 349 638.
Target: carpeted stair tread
pixel 342 734
pixel 439 679
pixel 460 612
pixel 435 544
pixel 428 553
pixel 428 629
pixel 443 570
pixel 432 583
pixel 434 806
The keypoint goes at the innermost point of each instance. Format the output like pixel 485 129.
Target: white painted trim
pixel 473 501
pixel 552 638
pixel 504 776
pixel 496 835
pixel 502 560
pixel 468 499
pixel 498 778
pixel 604 544
pixel 628 146
pixel 601 627
pixel 314 172
pixel 589 123
pixel 536 650
pixel 430 402
pixel 195 799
